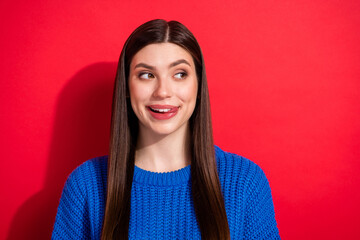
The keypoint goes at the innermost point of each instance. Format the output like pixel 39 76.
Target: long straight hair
pixel 206 190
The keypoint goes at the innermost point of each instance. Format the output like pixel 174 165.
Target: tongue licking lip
pixel 162 112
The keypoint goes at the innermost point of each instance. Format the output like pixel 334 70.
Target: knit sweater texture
pixel 162 205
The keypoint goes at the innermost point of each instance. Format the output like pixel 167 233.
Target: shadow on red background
pixel 81 131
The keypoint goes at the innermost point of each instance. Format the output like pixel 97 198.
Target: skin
pixel 163 74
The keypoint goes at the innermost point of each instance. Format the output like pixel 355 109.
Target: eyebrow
pixel 144 66
pixel 170 66
pixel 179 62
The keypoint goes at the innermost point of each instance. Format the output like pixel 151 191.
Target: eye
pixel 146 75
pixel 180 75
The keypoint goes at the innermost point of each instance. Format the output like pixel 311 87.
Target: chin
pixel 166 129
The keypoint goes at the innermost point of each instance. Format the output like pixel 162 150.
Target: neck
pixel 163 153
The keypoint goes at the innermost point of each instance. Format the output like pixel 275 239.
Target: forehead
pixel 160 54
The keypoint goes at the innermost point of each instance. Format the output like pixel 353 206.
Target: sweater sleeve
pixel 72 221
pixel 260 220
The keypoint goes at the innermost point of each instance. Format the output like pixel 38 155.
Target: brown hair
pixel 206 191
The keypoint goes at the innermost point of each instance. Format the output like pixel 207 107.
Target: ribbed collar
pixel 162 179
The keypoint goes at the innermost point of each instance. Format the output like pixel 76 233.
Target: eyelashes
pixel 181 75
pixel 145 75
pixel 148 75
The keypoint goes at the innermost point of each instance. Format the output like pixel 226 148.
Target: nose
pixel 162 88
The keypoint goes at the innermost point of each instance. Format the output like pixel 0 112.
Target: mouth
pixel 163 109
pixel 162 112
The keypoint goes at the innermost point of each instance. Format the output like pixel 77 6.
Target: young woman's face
pixel 163 88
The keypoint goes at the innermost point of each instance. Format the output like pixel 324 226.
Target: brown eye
pixel 181 75
pixel 146 75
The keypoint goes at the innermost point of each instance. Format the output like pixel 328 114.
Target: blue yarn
pixel 161 203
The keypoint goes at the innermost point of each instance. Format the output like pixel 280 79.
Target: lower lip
pixel 164 116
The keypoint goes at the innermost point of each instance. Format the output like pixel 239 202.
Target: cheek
pixel 188 93
pixel 138 93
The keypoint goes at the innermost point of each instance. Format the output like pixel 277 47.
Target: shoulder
pixel 230 162
pixel 238 171
pixel 89 172
pixel 91 167
pixel 84 187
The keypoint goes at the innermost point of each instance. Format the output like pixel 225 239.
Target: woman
pixel 164 179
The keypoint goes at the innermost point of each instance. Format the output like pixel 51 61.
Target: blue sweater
pixel 161 203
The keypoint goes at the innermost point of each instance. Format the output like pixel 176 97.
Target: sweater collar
pixel 176 177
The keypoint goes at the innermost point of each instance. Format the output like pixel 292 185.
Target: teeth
pixel 161 110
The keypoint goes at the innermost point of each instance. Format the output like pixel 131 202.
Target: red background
pixel 284 81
